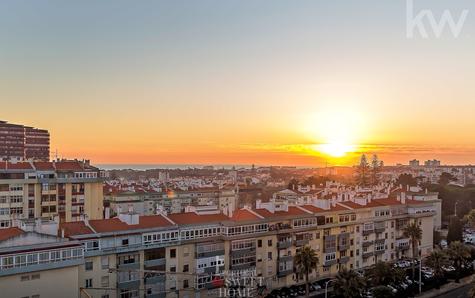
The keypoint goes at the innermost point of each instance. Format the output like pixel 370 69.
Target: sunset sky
pixel 239 82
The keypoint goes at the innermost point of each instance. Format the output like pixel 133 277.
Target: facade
pixel 66 190
pixel 190 254
pixel 148 202
pixel 18 142
pixel 38 265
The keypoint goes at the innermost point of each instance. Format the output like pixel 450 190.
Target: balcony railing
pixel 284 244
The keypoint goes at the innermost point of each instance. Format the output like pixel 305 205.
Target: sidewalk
pixel 447 288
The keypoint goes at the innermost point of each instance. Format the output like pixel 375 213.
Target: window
pixel 105 262
pixel 125 242
pixel 24 278
pixel 269 242
pixel 269 256
pixel 88 265
pixel 172 268
pixel 185 283
pixel 35 276
pixel 173 253
pixel 259 243
pixel 186 268
pixel 105 281
pixel 89 283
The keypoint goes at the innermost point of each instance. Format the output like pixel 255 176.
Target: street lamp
pixel 326 286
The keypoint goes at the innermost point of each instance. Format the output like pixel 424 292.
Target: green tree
pixel 382 292
pixel 445 178
pixel 362 171
pixel 306 261
pixel 406 179
pixel 376 167
pixel 458 254
pixel 293 184
pixel 381 274
pixel 437 260
pixel 455 232
pixel 348 284
pixel 414 232
pixel 469 218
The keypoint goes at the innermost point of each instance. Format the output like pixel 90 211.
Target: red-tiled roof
pixel 44 166
pixel 115 224
pixel 243 215
pixel 353 205
pixel 75 228
pixel 338 208
pixel 313 209
pixel 9 233
pixel 15 165
pixel 265 213
pixel 68 166
pixel 193 218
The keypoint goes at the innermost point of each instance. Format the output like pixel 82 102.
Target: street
pixel 458 293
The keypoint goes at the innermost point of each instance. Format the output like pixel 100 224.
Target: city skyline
pixel 250 83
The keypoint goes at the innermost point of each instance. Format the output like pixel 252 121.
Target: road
pixel 459 293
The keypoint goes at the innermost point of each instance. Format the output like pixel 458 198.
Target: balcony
pixel 128 284
pixel 155 262
pixel 344 260
pixel 367 243
pixel 379 229
pixel 135 265
pixel 368 254
pixel 379 241
pixel 342 247
pixel 301 242
pixel 379 252
pixel 328 263
pixel 286 258
pixel 155 279
pixel 213 270
pixel 243 251
pixel 285 272
pixel 209 254
pixel 284 244
pixel 243 266
pixel 367 232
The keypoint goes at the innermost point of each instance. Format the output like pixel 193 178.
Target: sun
pixel 336 150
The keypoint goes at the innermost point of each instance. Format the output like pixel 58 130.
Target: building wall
pixel 55 283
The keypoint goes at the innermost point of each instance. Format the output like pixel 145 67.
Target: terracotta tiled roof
pixel 115 224
pixel 44 166
pixel 313 209
pixel 243 215
pixel 68 166
pixel 74 228
pixel 10 233
pixel 15 165
pixel 265 213
pixel 193 218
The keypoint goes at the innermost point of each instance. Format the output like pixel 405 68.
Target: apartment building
pixel 147 201
pixel 18 142
pixel 36 265
pixel 65 189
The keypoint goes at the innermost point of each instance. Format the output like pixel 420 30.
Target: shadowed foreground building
pixel 188 254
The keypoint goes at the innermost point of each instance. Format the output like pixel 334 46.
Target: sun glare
pixel 335 149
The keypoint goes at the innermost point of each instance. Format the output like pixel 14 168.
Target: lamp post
pixel 326 286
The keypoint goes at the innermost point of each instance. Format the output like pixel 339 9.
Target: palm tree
pixel 306 261
pixel 349 284
pixel 414 232
pixel 437 260
pixel 381 274
pixel 471 293
pixel 382 292
pixel 458 253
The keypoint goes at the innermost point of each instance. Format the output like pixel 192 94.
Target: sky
pixel 240 82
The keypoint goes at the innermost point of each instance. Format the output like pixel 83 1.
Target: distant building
pixel 67 190
pixel 18 142
pixel 414 163
pixel 432 163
